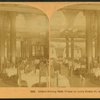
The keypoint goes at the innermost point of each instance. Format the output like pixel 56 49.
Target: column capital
pixel 98 15
pixel 70 16
pixel 88 12
pixel 12 15
pixel 70 12
pixel 97 12
pixel 26 15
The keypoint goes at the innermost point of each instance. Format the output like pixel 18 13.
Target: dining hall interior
pixel 75 46
pixel 24 46
pixel 63 51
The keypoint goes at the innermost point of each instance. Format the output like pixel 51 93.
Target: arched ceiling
pixel 59 22
pixel 93 7
pixel 30 22
pixel 20 9
pixel 34 26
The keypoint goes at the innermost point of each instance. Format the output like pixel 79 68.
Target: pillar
pixel 8 49
pixel 21 49
pixel 24 48
pixel 46 45
pixel 70 17
pixel 12 36
pixel 22 55
pixel 72 48
pixel 98 36
pixel 28 19
pixel 42 50
pixel 96 49
pixel 29 48
pixel 67 47
pixel 3 33
pixel 89 38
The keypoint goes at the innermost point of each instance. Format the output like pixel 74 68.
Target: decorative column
pixel 30 48
pixel 3 29
pixel 23 49
pixel 27 48
pixel 46 45
pixel 70 17
pixel 22 55
pixel 72 48
pixel 98 36
pixel 89 38
pixel 12 36
pixel 67 46
pixel 8 49
pixel 96 49
pixel 28 19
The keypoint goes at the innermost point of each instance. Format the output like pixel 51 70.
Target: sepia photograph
pixel 24 46
pixel 71 52
pixel 49 49
pixel 75 46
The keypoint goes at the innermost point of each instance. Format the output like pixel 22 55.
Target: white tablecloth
pixel 32 78
pixel 11 71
